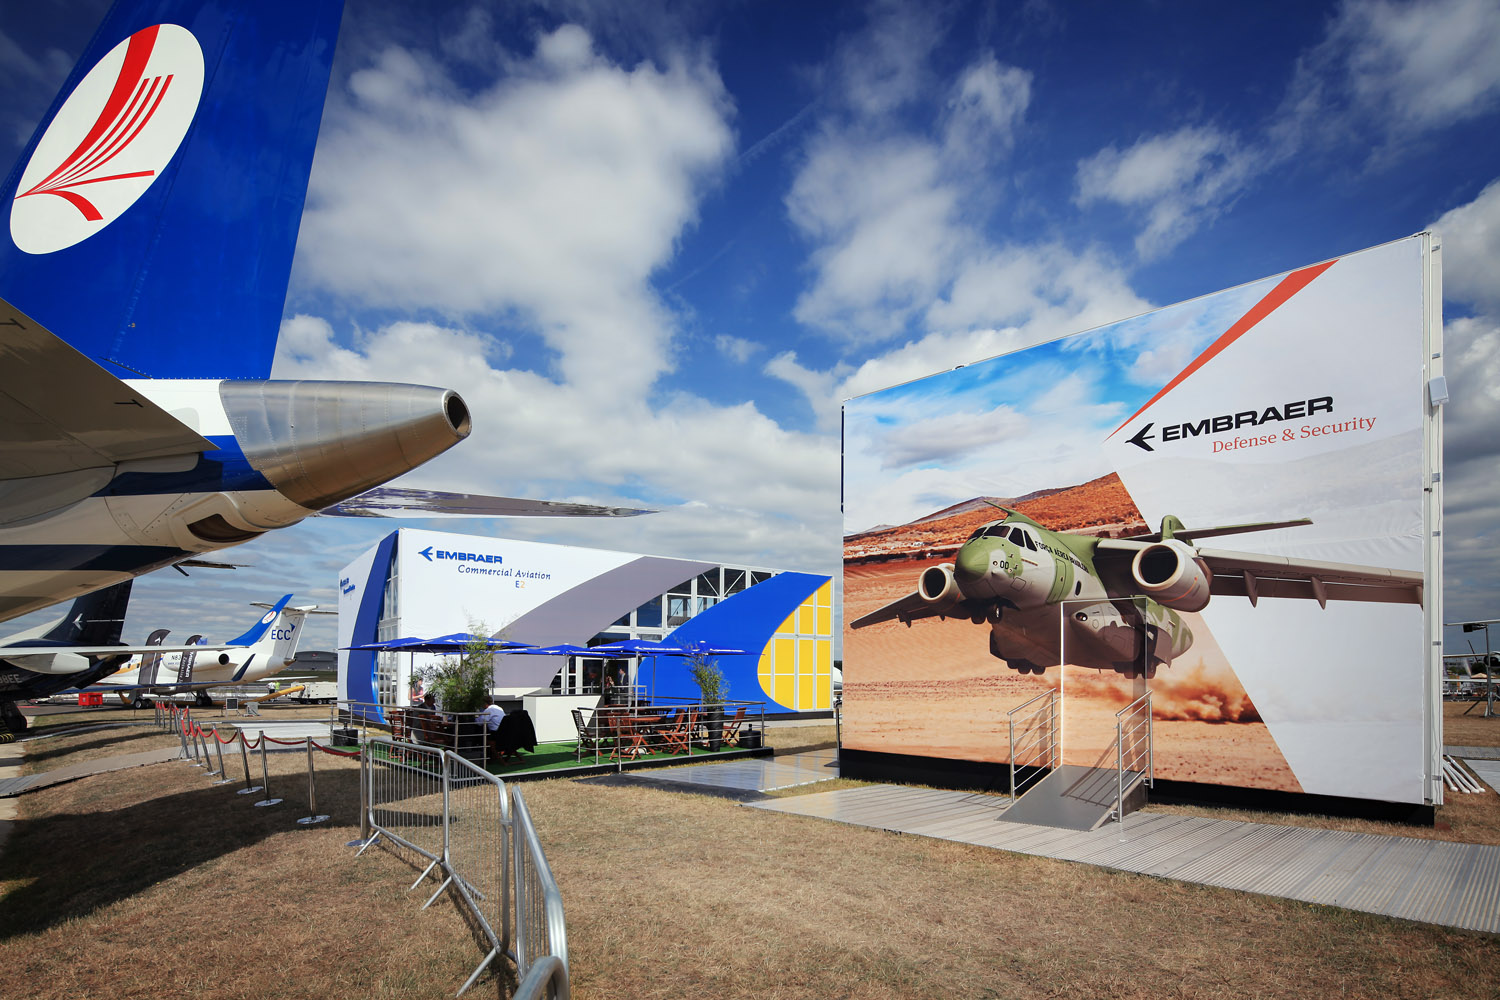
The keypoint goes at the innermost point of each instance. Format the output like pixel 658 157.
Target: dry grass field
pixel 152 883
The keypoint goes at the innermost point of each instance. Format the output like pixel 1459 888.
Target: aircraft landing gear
pixel 202 700
pixel 11 718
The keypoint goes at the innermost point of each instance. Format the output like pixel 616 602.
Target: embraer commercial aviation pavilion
pixel 426 583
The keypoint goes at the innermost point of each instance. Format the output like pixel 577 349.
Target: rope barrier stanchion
pixel 249 789
pixel 312 792
pixel 182 735
pixel 224 778
pixel 265 776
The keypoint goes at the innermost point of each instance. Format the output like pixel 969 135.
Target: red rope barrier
pixel 284 743
pixel 335 753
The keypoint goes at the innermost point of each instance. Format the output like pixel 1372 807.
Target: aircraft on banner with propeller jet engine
pixel 143 275
pixel 1116 603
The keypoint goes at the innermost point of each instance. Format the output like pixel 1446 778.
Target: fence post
pixel 245 759
pixel 364 798
pixel 265 775
pixel 312 793
pixel 182 736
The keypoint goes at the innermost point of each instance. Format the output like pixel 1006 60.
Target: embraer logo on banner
pixel 431 554
pixel 1225 422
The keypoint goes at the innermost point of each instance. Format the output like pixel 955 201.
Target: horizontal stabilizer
pixel 1193 534
pixel 402 502
pixel 62 413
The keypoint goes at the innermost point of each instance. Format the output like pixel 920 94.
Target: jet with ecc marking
pixel 144 261
pixel 1119 600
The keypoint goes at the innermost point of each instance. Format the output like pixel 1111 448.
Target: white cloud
pixel 987 105
pixel 1177 181
pixel 890 209
pixel 1395 70
pixel 737 349
pixel 888 227
pixel 1471 250
pixel 704 464
pixel 551 196
pixel 884 67
pixel 820 388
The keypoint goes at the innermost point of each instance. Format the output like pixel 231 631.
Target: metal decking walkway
pixel 1457 885
pixel 761 774
pixel 83 769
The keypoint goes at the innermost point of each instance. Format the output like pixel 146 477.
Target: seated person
pixel 426 723
pixel 490 717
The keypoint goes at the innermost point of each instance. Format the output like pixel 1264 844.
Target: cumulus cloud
pixel 533 436
pixel 1471 250
pixel 553 195
pixel 1395 70
pixel 1175 181
pixel 888 228
pixel 737 349
pixel 985 108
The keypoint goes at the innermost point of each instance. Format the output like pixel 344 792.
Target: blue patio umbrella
pixel 561 649
pixel 643 648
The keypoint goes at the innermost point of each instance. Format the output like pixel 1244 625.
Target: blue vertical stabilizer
pixel 150 221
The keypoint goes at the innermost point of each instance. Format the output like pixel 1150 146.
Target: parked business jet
pixel 143 273
pixel 83 651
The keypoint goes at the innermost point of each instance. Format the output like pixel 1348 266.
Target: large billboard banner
pixel 1230 501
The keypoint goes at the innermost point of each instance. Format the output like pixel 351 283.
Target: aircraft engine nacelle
pixel 937 585
pixel 1171 574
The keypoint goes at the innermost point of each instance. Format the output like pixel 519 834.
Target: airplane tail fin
pixel 161 194
pixel 95 619
pixel 287 633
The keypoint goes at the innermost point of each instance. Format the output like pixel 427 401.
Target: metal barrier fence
pixel 1133 750
pixel 479 835
pixel 611 733
pixel 1034 740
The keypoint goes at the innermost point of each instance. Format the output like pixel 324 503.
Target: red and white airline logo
pixel 112 138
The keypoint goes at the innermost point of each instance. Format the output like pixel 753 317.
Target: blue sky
pixel 655 245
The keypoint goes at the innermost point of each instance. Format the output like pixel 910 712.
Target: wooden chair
pixel 732 728
pixel 679 737
pixel 588 735
pixel 630 737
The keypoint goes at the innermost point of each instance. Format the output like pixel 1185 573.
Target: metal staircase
pixel 1080 797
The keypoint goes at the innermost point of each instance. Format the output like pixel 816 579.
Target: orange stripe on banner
pixel 1289 286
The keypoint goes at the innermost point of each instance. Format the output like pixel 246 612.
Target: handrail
pixel 1039 737
pixel 1129 722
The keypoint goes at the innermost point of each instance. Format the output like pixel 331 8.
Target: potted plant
pixel 714 689
pixel 460 683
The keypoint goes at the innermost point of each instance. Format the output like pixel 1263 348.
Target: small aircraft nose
pixel 972 564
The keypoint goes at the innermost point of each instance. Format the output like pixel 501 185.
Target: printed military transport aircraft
pixel 1120 598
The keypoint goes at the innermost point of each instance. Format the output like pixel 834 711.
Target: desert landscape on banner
pixel 932 689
